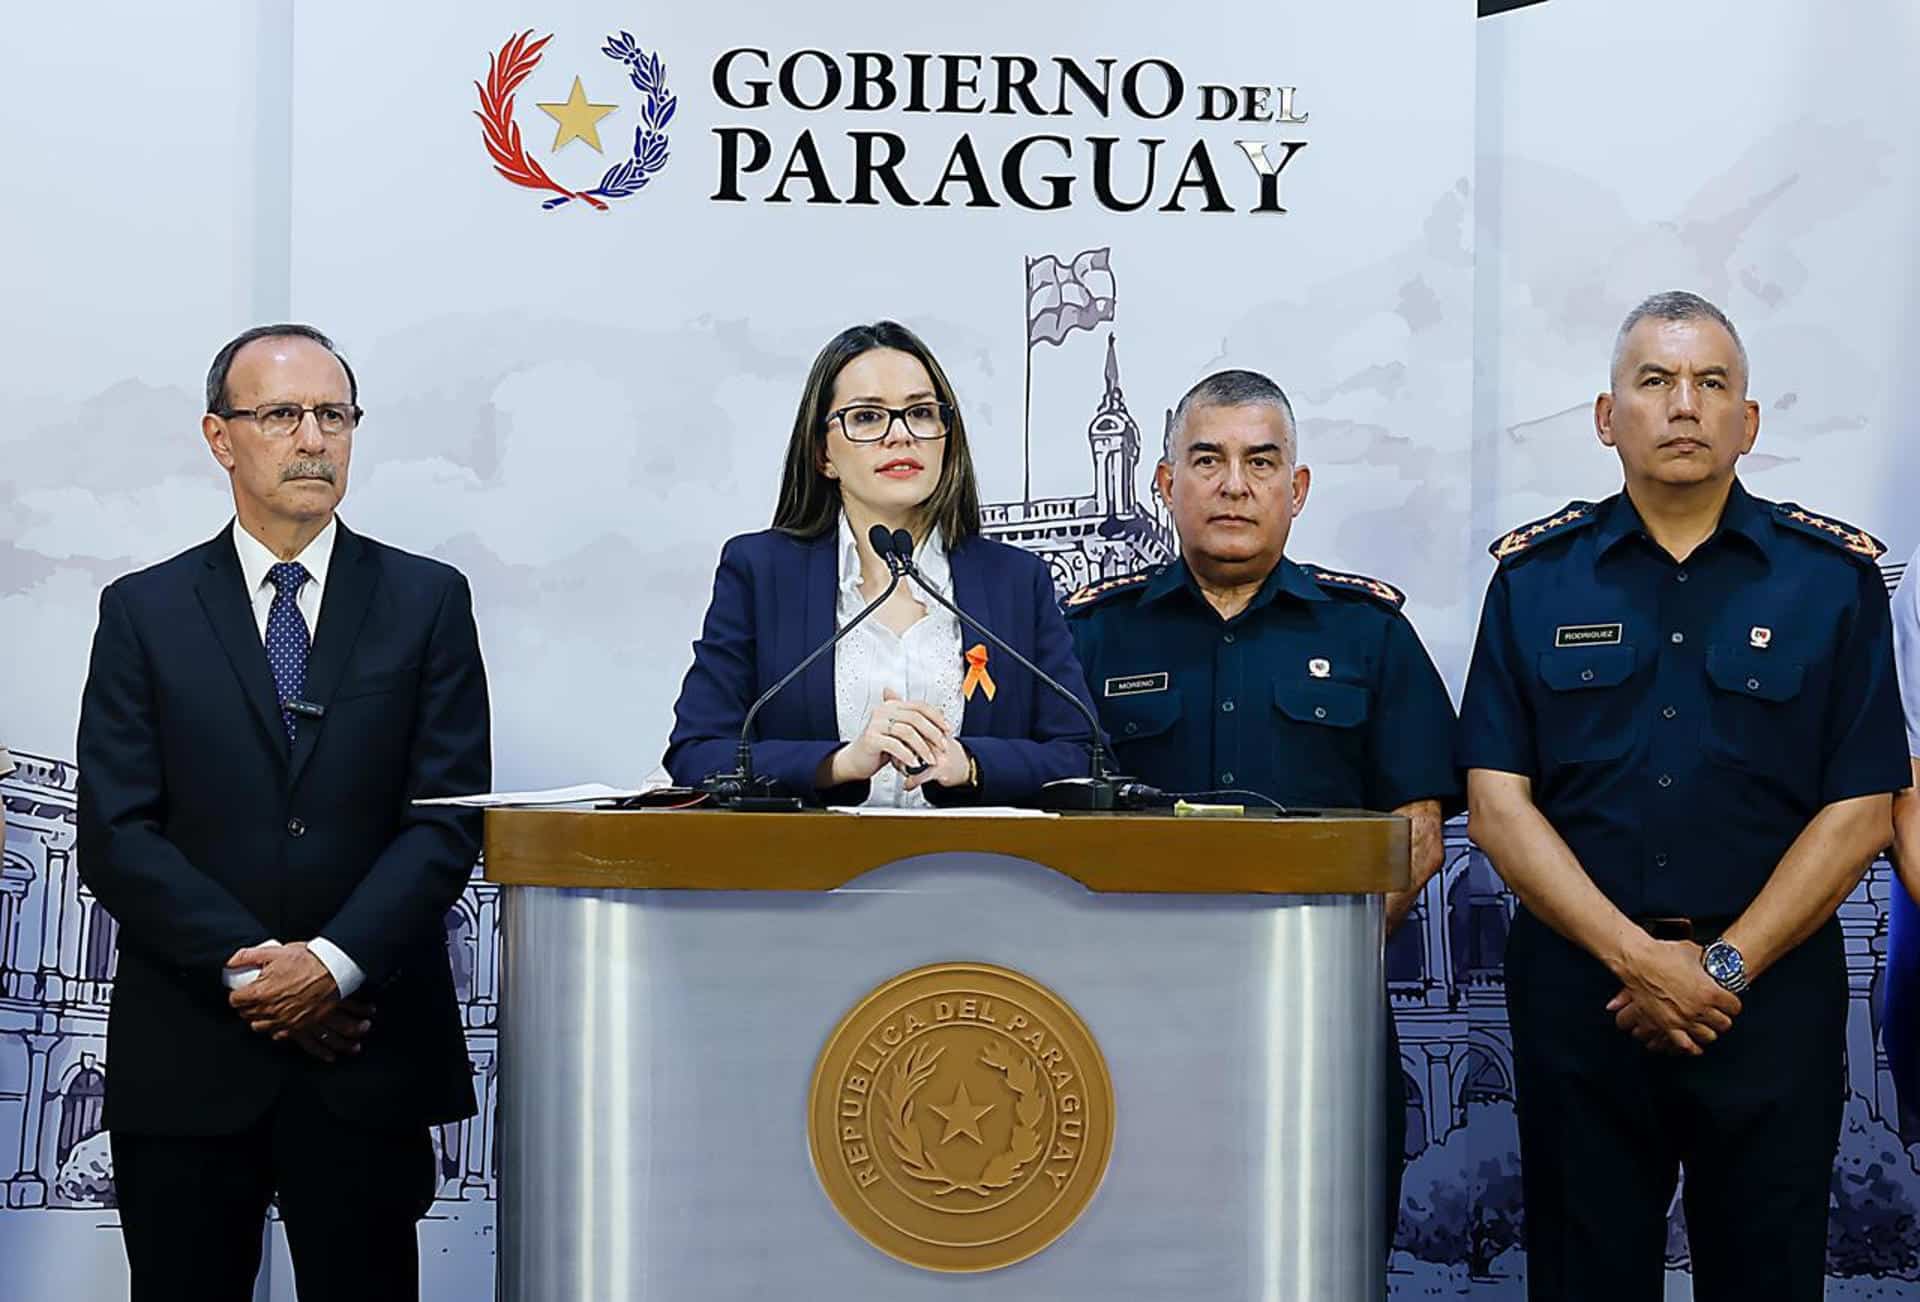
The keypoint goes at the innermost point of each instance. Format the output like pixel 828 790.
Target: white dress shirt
pixel 1906 649
pixel 922 664
pixel 255 560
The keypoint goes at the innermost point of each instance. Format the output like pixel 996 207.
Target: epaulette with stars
pixel 1094 593
pixel 1384 593
pixel 1574 515
pixel 1857 543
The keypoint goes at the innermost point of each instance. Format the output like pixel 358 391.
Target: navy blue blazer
pixel 774 601
pixel 202 830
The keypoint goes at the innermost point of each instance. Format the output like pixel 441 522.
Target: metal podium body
pixel 671 978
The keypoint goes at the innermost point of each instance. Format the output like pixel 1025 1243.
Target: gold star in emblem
pixel 578 119
pixel 962 1115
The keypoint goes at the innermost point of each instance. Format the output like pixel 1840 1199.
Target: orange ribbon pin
pixel 977 675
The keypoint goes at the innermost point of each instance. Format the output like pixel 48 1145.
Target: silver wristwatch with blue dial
pixel 1725 965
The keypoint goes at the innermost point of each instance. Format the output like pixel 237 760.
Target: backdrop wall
pixel 576 404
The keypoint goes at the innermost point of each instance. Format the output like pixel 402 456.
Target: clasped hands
pixel 294 998
pixel 907 735
pixel 1668 1002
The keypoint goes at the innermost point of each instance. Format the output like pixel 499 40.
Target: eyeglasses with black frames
pixel 871 423
pixel 278 420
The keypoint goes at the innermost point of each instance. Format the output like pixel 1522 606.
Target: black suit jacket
pixel 203 831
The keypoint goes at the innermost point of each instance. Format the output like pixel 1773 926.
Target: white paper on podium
pixel 584 793
pixel 965 811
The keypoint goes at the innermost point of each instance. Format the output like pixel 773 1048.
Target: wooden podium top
pixel 1335 852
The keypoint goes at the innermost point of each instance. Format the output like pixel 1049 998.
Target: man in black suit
pixel 260 713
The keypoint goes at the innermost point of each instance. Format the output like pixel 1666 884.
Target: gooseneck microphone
pixel 1100 788
pixel 741 789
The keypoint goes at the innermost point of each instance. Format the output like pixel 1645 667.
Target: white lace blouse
pixel 922 664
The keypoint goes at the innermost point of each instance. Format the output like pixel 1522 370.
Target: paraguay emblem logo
pixel 576 120
pixel 961 1117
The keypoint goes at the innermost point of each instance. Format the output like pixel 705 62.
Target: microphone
pixel 1100 789
pixel 741 789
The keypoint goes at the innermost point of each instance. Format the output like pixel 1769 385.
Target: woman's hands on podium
pixel 907 735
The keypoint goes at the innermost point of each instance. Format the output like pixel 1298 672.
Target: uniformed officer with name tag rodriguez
pixel 1235 668
pixel 1681 731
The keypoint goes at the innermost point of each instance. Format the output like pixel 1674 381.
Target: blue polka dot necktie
pixel 287 638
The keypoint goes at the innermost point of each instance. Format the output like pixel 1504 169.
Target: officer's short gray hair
pixel 1675 305
pixel 1228 389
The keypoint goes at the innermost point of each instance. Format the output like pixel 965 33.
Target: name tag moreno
pixel 1587 635
pixel 1045 171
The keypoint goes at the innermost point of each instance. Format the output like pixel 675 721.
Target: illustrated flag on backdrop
pixel 1066 296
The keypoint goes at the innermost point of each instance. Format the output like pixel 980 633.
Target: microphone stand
pixel 740 789
pixel 1101 789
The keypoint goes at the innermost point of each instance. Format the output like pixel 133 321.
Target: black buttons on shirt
pixel 1226 707
pixel 1667 713
pixel 1227 638
pixel 296 828
pixel 1666 780
pixel 1226 778
pixel 1678 638
pixel 1679 576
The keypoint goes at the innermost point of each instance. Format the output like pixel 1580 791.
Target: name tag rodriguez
pixel 1587 635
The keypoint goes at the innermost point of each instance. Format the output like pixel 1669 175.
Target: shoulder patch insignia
pixel 1094 593
pixel 1570 517
pixel 1384 593
pixel 1836 533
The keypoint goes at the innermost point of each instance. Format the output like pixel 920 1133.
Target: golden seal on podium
pixel 961 1117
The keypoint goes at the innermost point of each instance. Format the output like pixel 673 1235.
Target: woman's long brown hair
pixel 809 502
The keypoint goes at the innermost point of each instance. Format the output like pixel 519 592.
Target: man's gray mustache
pixel 310 470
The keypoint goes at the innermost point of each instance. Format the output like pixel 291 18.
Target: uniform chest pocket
pixel 1140 717
pixel 1756 715
pixel 1579 669
pixel 1755 677
pixel 1322 702
pixel 1319 742
pixel 1586 711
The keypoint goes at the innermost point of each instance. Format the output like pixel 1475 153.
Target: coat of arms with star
pixel 576 118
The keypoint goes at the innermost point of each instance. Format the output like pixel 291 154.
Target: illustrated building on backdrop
pixel 1103 534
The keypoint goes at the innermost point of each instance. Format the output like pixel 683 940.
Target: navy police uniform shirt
pixel 1682 721
pixel 1317 694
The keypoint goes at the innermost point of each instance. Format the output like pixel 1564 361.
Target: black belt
pixel 1702 931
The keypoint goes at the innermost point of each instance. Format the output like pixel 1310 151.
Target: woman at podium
pixel 910 708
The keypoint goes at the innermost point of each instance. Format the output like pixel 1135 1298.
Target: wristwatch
pixel 1725 965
